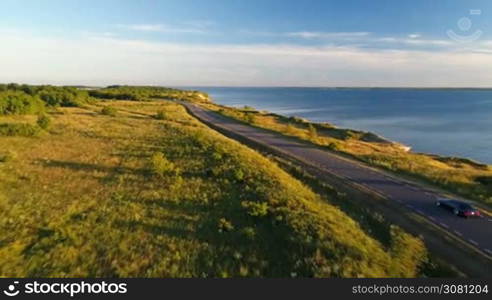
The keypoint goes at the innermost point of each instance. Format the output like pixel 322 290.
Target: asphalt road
pixel 475 231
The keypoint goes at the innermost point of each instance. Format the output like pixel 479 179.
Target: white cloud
pixel 415 40
pixel 365 38
pixel 326 35
pixel 185 28
pixel 106 60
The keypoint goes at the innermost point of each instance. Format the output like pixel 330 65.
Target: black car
pixel 459 208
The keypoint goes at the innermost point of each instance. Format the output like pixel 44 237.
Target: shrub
pixel 161 166
pixel 217 156
pixel 333 146
pixel 18 129
pixel 19 103
pixel 26 99
pixel 249 232
pixel 312 132
pixel 225 225
pixel 297 120
pixel 250 118
pixel 255 209
pixel 7 156
pixel 161 115
pixel 238 174
pixel 109 111
pixel 43 121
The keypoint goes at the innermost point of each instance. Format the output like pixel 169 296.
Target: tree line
pixel 147 93
pixel 31 99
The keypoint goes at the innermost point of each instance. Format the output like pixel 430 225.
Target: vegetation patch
pixel 228 212
pixel 19 103
pixel 146 93
pixel 30 99
pixel 7 156
pixel 161 166
pixel 19 129
pixel 160 115
pixel 109 111
pixel 44 121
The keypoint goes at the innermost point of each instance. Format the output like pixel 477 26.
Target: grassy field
pixel 462 176
pixel 143 189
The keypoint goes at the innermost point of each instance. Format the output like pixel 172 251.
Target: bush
pixel 31 99
pixel 250 118
pixel 19 103
pixel 312 132
pixel 161 115
pixel 109 111
pixel 7 156
pixel 334 147
pixel 249 233
pixel 238 174
pixel 43 121
pixel 255 209
pixel 225 225
pixel 161 166
pixel 18 129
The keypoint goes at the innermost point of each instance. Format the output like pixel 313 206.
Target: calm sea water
pixel 446 122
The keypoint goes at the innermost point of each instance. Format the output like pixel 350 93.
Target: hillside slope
pixel 146 190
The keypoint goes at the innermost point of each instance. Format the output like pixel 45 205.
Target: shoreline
pixel 461 176
pixel 405 147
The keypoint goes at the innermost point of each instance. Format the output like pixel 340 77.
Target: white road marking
pixel 488 251
pixel 420 212
pixel 458 233
pixel 473 242
pixel 432 218
pixel 443 225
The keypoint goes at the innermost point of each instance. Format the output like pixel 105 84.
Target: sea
pixel 448 122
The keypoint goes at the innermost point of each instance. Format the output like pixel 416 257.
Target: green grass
pixel 109 111
pixel 161 115
pixel 134 196
pixel 19 129
pixel 43 121
pixel 459 175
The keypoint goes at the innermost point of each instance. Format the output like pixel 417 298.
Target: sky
pixel 420 43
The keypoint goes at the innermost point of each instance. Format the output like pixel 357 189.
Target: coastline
pixel 377 137
pixel 434 121
pixel 462 176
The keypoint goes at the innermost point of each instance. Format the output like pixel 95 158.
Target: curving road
pixel 477 231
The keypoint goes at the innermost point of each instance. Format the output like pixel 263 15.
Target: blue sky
pixel 256 43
